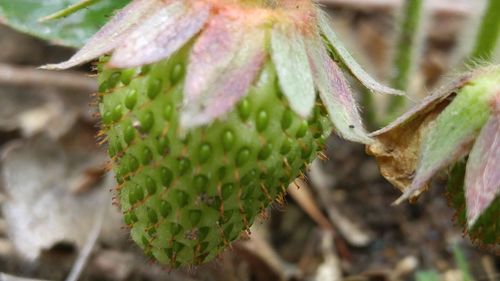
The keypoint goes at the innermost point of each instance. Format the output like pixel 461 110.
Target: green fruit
pixel 186 195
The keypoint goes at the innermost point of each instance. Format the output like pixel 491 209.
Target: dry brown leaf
pixel 41 209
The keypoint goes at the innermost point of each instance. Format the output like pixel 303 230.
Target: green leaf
pixel 73 30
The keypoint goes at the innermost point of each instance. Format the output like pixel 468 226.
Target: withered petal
pixel 112 34
pixel 224 63
pixel 160 35
pixel 289 55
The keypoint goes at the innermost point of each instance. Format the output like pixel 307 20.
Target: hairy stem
pixel 489 33
pixel 405 59
pixel 69 10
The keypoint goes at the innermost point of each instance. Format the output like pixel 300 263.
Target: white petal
pixel 290 59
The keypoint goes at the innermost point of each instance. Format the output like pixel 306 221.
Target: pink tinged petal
pixel 163 33
pixel 453 133
pixel 112 34
pixel 482 177
pixel 336 94
pixel 347 59
pixel 212 53
pixel 224 63
pixel 290 59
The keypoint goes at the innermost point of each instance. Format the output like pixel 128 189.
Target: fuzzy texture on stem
pixel 489 33
pixel 407 47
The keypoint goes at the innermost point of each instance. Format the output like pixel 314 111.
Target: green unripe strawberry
pixel 187 195
pixel 211 108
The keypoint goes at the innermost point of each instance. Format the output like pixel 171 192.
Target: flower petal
pixel 482 177
pixel 112 34
pixel 290 59
pixel 451 136
pixel 336 94
pixel 163 33
pixel 343 54
pixel 224 62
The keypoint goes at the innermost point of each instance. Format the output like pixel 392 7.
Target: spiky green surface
pixel 187 195
pixel 487 227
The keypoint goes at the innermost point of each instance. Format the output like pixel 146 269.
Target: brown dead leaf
pixel 44 180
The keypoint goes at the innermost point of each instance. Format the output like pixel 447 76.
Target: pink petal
pixel 224 62
pixel 482 177
pixel 336 94
pixel 112 34
pixel 163 33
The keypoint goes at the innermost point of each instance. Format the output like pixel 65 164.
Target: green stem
pixel 69 10
pixel 430 275
pixel 407 45
pixel 461 261
pixel 489 33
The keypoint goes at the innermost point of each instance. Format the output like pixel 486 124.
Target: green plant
pixel 407 48
pixel 248 102
pixel 488 34
pixel 438 133
pixel 73 30
pixel 236 82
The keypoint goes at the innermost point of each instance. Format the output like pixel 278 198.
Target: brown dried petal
pixel 397 147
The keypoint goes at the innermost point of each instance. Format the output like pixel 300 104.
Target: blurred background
pixel 57 221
